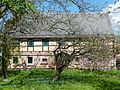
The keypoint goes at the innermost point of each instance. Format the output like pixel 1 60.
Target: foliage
pixel 11 12
pixel 15 6
pixel 71 79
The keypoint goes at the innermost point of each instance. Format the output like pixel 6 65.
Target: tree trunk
pixel 57 75
pixel 4 67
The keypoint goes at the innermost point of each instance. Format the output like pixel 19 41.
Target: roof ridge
pixel 74 13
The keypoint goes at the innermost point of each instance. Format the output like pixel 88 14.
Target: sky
pixel 114 14
pixel 99 3
pixel 51 5
pixel 112 6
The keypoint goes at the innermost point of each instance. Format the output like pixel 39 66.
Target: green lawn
pixel 71 79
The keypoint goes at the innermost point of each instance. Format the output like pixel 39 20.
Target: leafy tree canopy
pixel 15 7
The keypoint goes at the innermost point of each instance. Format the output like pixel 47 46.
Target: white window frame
pixel 18 60
pixel 0 54
pixel 32 60
pixel 42 61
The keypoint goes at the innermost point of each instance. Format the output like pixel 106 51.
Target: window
pixel 15 59
pixel 45 42
pixel 30 43
pixel 0 53
pixel 44 59
pixel 30 60
pixel 16 43
pixel 62 43
pixel 76 41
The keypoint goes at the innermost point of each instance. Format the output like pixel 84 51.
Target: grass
pixel 71 79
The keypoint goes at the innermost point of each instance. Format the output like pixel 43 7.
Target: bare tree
pixel 88 39
pixel 62 25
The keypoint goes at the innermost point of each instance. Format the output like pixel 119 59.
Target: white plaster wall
pixel 37 42
pixel 52 48
pixel 30 48
pixel 38 48
pixel 45 48
pixel 23 43
pixel 23 48
pixel 52 43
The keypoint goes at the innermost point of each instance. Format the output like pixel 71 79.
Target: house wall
pixel 39 52
pixel 38 46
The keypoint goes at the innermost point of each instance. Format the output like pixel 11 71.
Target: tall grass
pixel 71 79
